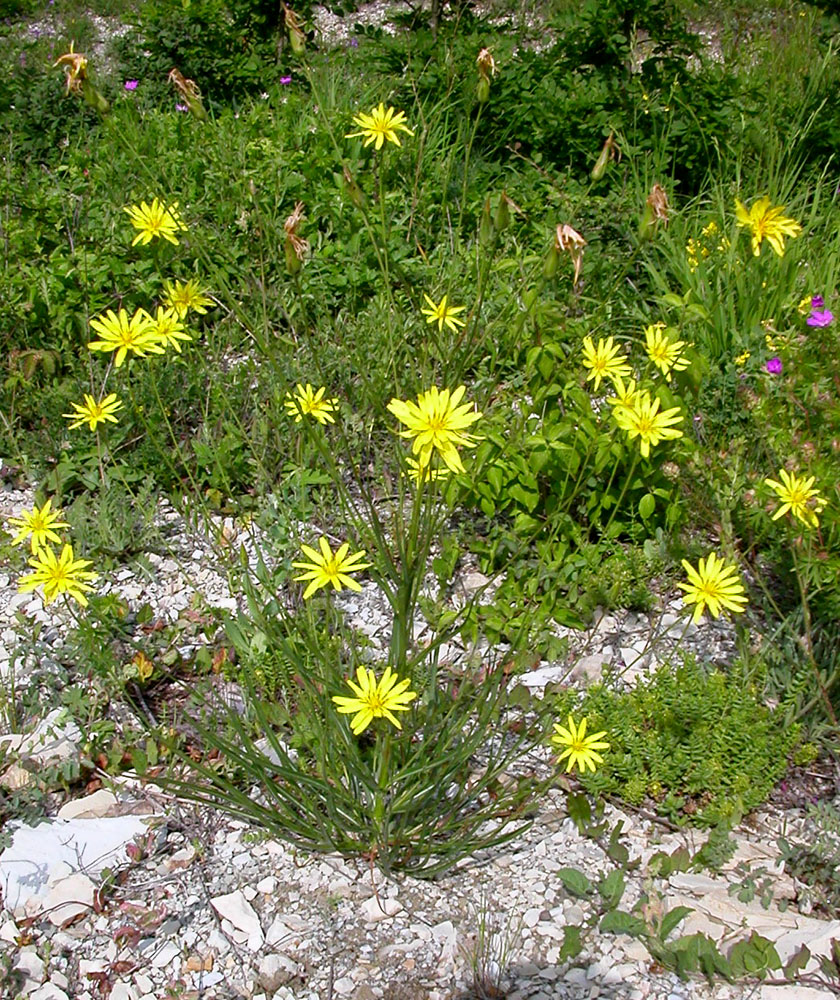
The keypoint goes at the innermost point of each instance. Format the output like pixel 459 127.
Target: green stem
pixel 808 638
pixel 467 165
pixel 383 782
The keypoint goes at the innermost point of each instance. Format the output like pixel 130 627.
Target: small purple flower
pixel 131 84
pixel 774 366
pixel 181 107
pixel 285 79
pixel 820 317
pixel 354 43
pixel 817 301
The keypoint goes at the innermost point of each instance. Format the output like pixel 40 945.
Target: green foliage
pixel 816 864
pixel 695 743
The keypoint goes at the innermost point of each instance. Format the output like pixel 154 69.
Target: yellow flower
pixel 380 125
pixel 604 361
pixel 741 359
pixel 443 313
pixel 715 585
pixel 798 497
pixel 665 353
pixel 624 399
pixel 156 219
pixel 375 700
pixel 58 575
pixel 580 748
pixel 804 306
pixel 307 401
pixel 416 472
pixel 645 422
pixel 92 413
pixel 121 334
pixel 766 222
pixel 39 525
pixel 183 296
pixel 168 329
pixel 327 568
pixel 437 423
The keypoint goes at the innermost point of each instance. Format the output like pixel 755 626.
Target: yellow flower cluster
pixel 634 409
pixel 57 574
pixel 142 333
pixel 710 241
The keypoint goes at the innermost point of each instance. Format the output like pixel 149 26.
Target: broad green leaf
pixel 619 922
pixel 575 882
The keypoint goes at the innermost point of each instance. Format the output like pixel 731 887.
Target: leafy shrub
pixel 696 743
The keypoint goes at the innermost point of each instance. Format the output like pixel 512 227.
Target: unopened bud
pixel 551 263
pixel 352 189
pixel 608 152
pixel 292 259
pixel 297 39
pixel 656 211
pixel 482 90
pixel 486 228
pixel 94 98
pixel 506 205
pixel 502 214
pixel 295 246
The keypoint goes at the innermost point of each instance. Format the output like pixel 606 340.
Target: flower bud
pixel 551 263
pixel 656 211
pixel 352 189
pixel 486 229
pixel 608 152
pixel 292 259
pixel 482 90
pixel 506 204
pixel 295 246
pixel 502 220
pixel 93 98
pixel 297 39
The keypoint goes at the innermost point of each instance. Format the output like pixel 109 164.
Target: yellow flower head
pixel 580 749
pixel 798 497
pixel 121 334
pixel 326 567
pixel 307 402
pixel 604 361
pixel 645 422
pixel 75 68
pixel 184 296
pixel 443 313
pixel 713 585
pixel 156 219
pixel 425 473
pixel 741 359
pixel 665 353
pixel 375 700
pixel 380 125
pixel 39 526
pixel 167 328
pixel 437 423
pixel 92 413
pixel 624 399
pixel 58 575
pixel 766 221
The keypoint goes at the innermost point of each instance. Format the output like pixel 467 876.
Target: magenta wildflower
pixel 181 107
pixel 285 79
pixel 131 84
pixel 774 366
pixel 820 317
pixel 817 301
